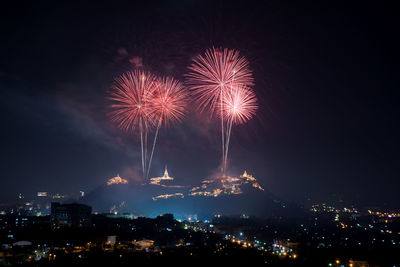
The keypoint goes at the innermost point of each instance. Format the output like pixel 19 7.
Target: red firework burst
pixel 168 104
pixel 168 101
pixel 239 104
pixel 215 71
pixel 131 93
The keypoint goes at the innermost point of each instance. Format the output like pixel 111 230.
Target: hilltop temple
pixel 117 180
pixel 159 180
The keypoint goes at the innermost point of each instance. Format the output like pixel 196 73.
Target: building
pixel 12 221
pixel 117 180
pixel 70 215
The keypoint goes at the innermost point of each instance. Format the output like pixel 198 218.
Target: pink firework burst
pixel 239 104
pixel 168 101
pixel 131 94
pixel 215 71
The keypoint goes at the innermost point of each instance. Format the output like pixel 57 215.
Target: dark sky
pixel 326 77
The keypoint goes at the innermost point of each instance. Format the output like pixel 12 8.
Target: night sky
pixel 326 77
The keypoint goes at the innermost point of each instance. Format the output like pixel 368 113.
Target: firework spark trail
pixel 141 143
pixel 239 106
pixel 227 144
pixel 145 151
pixel 152 150
pixel 229 122
pixel 222 136
pixel 209 77
pixel 167 106
pixel 130 93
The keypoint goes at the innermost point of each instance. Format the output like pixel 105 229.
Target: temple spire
pixel 165 172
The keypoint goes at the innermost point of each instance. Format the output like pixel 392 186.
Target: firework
pixel 130 94
pixel 168 103
pixel 239 105
pixel 214 72
pixel 211 75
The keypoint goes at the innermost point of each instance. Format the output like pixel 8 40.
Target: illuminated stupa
pixel 159 180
